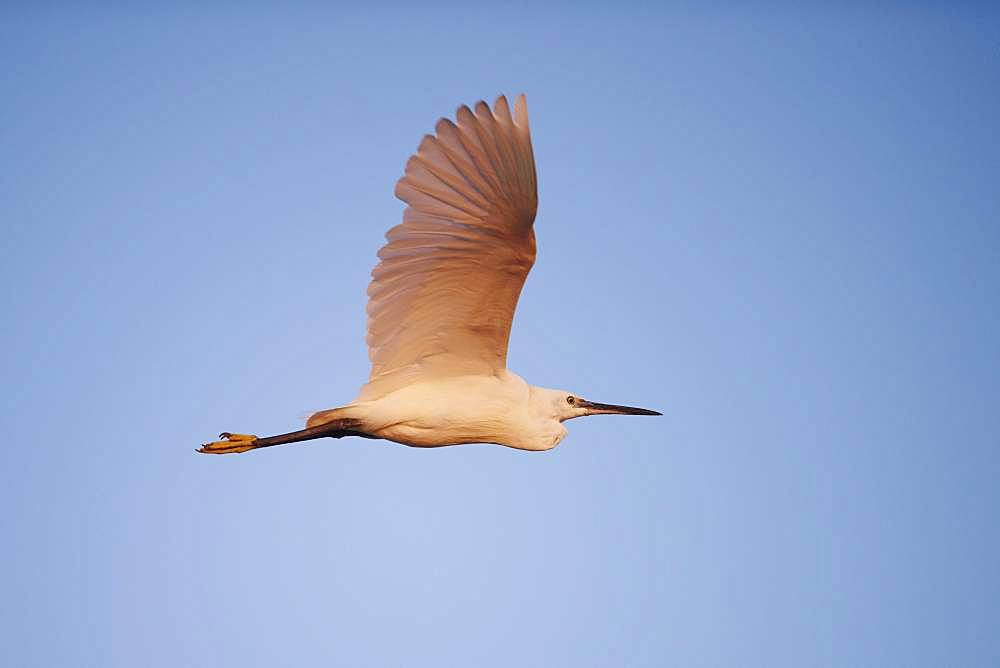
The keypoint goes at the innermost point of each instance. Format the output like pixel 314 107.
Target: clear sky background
pixel 777 225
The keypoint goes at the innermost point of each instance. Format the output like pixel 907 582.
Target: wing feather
pixel 443 295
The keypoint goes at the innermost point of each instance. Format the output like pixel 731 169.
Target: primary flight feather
pixel 442 299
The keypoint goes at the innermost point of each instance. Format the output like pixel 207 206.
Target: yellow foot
pixel 233 443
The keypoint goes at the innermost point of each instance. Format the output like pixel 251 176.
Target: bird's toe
pixel 232 443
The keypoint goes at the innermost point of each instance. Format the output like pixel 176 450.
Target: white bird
pixel 442 298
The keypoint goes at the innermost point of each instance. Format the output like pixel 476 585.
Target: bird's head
pixel 564 406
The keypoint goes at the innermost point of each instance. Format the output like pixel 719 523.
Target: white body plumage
pixel 500 408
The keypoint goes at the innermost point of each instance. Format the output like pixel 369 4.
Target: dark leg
pixel 234 443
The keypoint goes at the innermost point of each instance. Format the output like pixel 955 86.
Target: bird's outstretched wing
pixel 443 296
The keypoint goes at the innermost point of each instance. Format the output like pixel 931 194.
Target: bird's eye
pixel 570 400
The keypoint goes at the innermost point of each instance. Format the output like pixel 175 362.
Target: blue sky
pixel 778 226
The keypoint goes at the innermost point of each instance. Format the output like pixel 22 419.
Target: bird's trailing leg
pixel 234 443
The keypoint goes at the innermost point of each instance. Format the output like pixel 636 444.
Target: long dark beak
pixel 594 408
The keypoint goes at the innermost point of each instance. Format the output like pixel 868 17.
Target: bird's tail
pixel 328 416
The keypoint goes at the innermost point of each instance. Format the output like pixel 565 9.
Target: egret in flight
pixel 442 298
